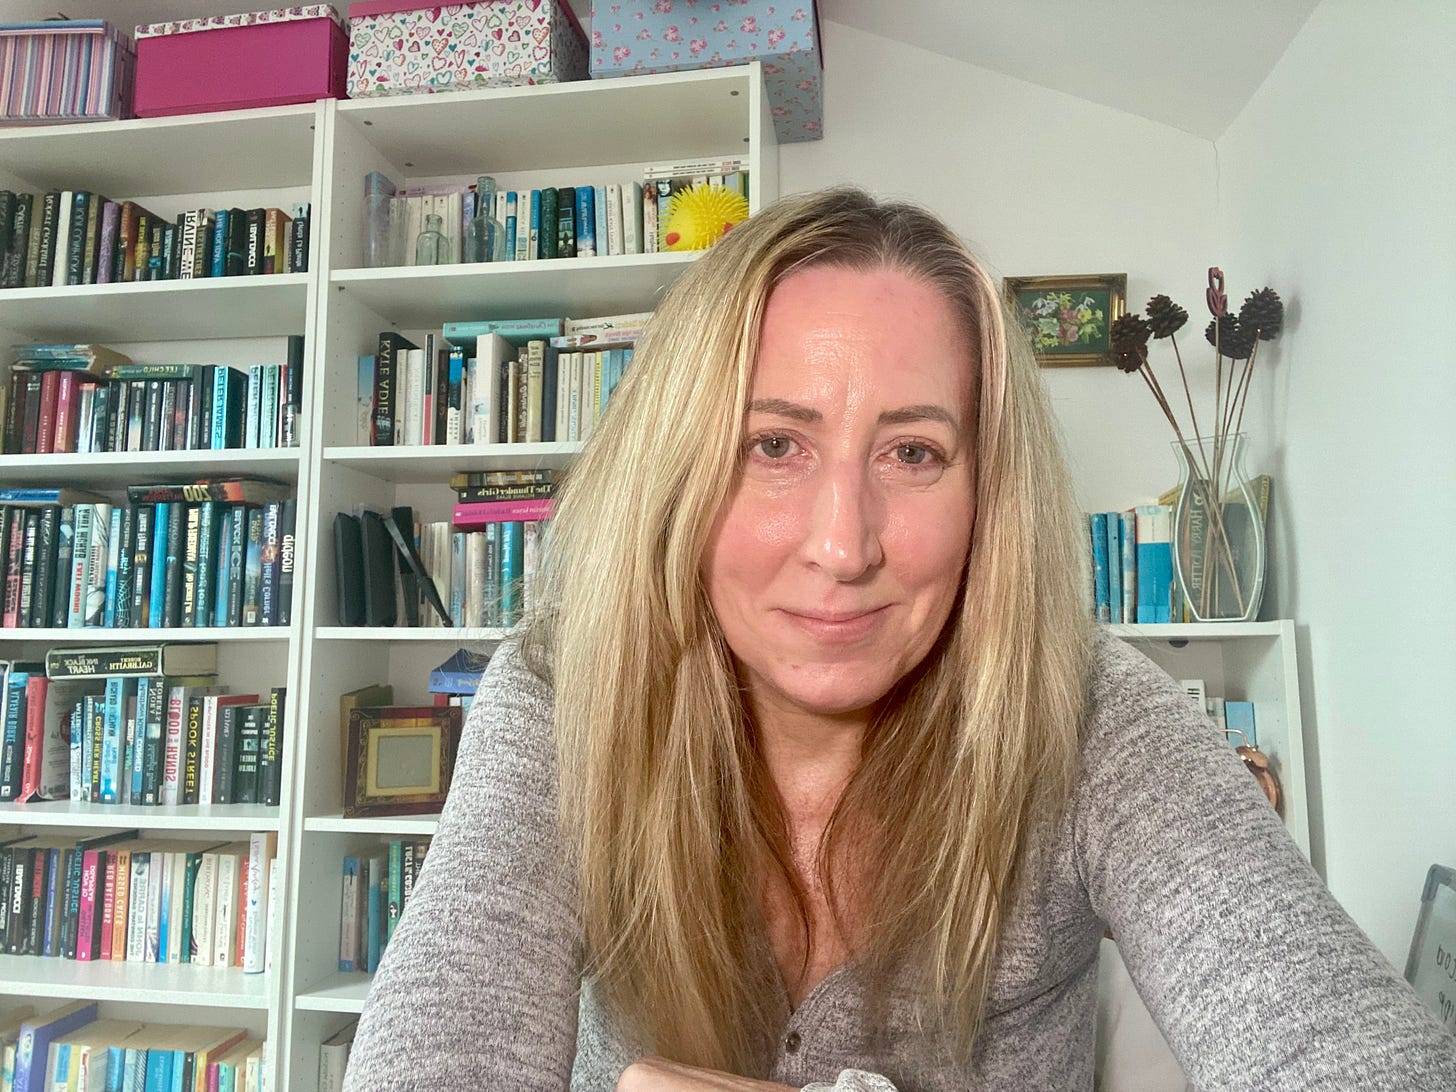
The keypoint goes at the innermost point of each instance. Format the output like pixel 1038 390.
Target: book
pixel 516 331
pixel 1101 604
pixel 36 1034
pixel 167 658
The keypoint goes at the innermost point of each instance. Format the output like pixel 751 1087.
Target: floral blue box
pixel 634 37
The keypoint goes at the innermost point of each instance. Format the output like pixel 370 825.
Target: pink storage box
pixel 229 62
pixel 400 48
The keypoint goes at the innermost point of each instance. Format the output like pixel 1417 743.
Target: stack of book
pixel 114 896
pixel 69 1047
pixel 87 398
pixel 498 381
pixel 456 681
pixel 1132 565
pixel 67 237
pixel 147 725
pixel 573 221
pixel 376 888
pixel 190 555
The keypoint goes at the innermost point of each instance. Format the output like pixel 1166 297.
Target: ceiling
pixel 1190 64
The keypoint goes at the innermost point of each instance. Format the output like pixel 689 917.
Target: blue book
pixel 516 331
pixel 512 565
pixel 113 718
pixel 159 1070
pixel 533 245
pixel 364 396
pixel 1114 565
pixel 586 222
pixel 33 1046
pixel 1155 564
pixel 135 756
pixel 160 518
pixel 1127 530
pixel 113 561
pixel 1240 715
pixel 63 1064
pixel 136 1069
pixel 1100 581
pixel 219 243
pixel 375 873
pixel 55 889
pixel 599 215
pixel 460 674
pixel 510 222
pixel 227 409
pixel 115 1069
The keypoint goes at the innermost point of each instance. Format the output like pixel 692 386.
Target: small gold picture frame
pixel 1068 319
pixel 399 759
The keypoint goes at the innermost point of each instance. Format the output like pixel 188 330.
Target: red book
pixel 35 701
pixel 50 388
pixel 68 404
pixel 108 907
pixel 14 553
pixel 241 915
pixel 86 922
pixel 474 515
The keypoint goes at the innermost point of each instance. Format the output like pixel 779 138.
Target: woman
pixel 841 788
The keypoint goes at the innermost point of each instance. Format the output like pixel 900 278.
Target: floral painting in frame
pixel 1068 319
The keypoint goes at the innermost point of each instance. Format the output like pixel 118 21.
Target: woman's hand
pixel 660 1075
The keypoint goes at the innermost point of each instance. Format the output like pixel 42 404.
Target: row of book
pixel 494 381
pixel 191 555
pixel 1236 720
pixel 68 237
pixel 376 890
pixel 147 725
pixel 1132 565
pixel 96 400
pixel 70 1047
pixel 118 897
pixel 577 221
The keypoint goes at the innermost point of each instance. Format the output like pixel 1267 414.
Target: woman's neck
pixel 810 758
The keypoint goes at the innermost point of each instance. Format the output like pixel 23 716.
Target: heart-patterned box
pixel 634 37
pixel 400 48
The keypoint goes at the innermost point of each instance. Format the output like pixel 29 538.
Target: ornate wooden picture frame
pixel 399 759
pixel 1068 319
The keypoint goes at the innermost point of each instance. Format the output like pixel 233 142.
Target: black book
pixel 93 238
pixel 43 598
pixel 141 588
pixel 197 397
pixel 30 423
pixel 101 416
pixel 549 374
pixel 7 228
pixel 116 416
pixel 136 415
pixel 400 525
pixel 169 252
pixel 287 519
pixel 566 222
pixel 207 532
pixel 441 364
pixel 191 550
pixel 45 264
pixel 65 544
pixel 253 254
pixel 173 564
pixel 20 901
pixel 204 417
pixel 166 416
pixel 76 241
pixel 15 414
pixel 272 517
pixel 27 564
pixel 19 248
pixel 251 722
pixel 125 562
pixel 151 734
pixel 236 263
pixel 35 913
pixel 349 569
pixel 293 386
pixel 156 269
pixel 298 262
pixel 152 417
pixel 225 755
pixel 385 382
pixel 377 552
pixel 181 406
pixel 270 762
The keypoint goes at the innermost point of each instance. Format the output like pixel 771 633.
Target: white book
pixel 414 222
pixel 262 849
pixel 491 352
pixel 632 218
pixel 225 921
pixel 156 880
pixel 614 218
pixel 177 904
pixel 454 222
pixel 334 1059
pixel 207 749
pixel 475 578
pixel 270 925
pixel 414 397
pixel 531 532
pixel 252 412
pixel 523 225
pixel 573 424
pixel 136 907
pixel 63 240
pixel 535 375
pixel 588 403
pixel 511 407
pixel 563 395
pixel 86 420
pixel 204 903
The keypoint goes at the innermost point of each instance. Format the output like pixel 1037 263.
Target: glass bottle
pixel 431 248
pixel 485 240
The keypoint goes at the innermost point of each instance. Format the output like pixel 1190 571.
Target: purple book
pixel 107 254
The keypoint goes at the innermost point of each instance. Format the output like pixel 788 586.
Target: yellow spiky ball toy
pixel 698 217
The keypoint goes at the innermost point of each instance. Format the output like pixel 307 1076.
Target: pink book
pixel 68 397
pixel 108 907
pixel 474 515
pixel 86 922
pixel 106 255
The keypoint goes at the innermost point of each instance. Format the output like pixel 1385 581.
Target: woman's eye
pixel 914 454
pixel 775 447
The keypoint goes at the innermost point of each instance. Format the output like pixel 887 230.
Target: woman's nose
pixel 844 532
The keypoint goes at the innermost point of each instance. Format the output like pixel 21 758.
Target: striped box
pixel 64 70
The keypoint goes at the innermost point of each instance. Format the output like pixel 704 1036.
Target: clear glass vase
pixel 431 247
pixel 485 237
pixel 1219 554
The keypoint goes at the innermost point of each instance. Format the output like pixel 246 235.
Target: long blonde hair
pixel 665 803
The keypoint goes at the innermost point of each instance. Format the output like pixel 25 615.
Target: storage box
pixel 633 37
pixel 401 48
pixel 64 70
pixel 229 62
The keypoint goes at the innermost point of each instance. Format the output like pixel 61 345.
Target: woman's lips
pixel 835 627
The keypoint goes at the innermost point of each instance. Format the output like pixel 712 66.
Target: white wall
pixel 1337 189
pixel 1038 182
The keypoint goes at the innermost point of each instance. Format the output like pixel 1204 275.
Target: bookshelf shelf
pixel 135 983
pixel 1196 631
pixel 105 637
pixel 242 818
pixel 342 992
pixel 433 295
pixel 438 634
pixel 403 825
pixel 195 153
pixel 107 469
pixel 212 307
pixel 435 464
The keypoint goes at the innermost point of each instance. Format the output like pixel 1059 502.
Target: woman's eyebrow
pixel 781 407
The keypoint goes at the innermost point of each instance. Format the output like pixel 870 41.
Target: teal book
pixel 1102 606
pixel 1114 565
pixel 516 331
pixel 111 739
pixel 1127 531
pixel 512 568
pixel 161 517
pixel 137 758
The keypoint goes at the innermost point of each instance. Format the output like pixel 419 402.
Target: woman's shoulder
pixel 1130 696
